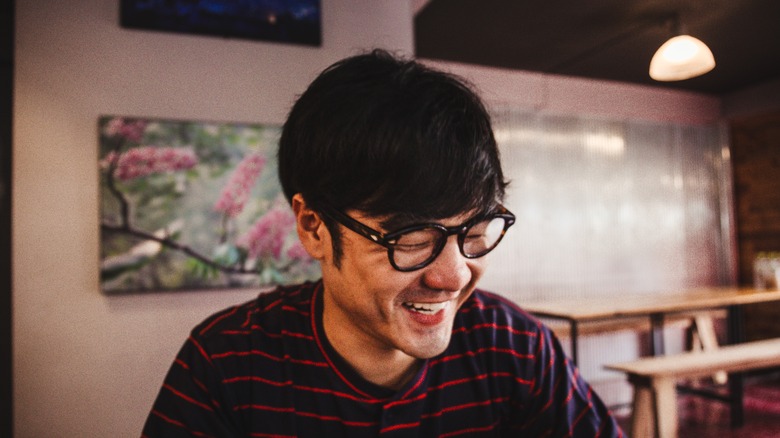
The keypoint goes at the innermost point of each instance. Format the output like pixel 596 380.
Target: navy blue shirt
pixel 265 369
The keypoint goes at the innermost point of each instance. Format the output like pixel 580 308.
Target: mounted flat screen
pixel 284 21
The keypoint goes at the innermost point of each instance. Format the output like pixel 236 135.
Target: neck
pixel 387 374
pixel 383 366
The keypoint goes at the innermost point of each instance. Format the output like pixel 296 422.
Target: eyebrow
pixel 402 220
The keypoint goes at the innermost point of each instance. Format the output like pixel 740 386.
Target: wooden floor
pixel 701 418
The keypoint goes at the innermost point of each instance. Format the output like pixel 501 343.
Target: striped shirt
pixel 265 369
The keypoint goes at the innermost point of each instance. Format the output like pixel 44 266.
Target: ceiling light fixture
pixel 681 57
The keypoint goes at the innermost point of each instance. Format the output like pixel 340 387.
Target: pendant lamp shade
pixel 682 57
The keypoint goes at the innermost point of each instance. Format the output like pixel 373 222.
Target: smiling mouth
pixel 425 308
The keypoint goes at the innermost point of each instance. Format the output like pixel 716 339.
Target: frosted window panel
pixel 607 207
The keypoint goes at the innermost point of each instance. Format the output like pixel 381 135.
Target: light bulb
pixel 680 49
pixel 682 57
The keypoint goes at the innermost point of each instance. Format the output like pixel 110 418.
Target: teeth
pixel 430 308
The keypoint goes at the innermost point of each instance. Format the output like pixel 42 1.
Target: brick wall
pixel 755 156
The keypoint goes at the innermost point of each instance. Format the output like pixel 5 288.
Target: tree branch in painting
pixel 165 227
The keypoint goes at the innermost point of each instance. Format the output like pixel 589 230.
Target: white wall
pixel 88 365
pixel 561 95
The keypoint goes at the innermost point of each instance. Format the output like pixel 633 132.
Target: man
pixel 394 177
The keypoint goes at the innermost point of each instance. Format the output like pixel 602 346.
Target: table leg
pixel 703 329
pixel 657 325
pixel 736 335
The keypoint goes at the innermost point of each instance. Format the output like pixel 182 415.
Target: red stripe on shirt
pixel 494 326
pixel 250 313
pixel 201 350
pixel 218 319
pixel 465 406
pixel 399 426
pixel 469 430
pixel 268 356
pixel 187 398
pixel 322 348
pixel 456 382
pixel 270 435
pixel 289 308
pixel 406 401
pixel 483 350
pixel 179 424
pixel 297 335
pixel 257 379
pixel 481 377
pixel 573 387
pixel 262 408
pixel 579 417
pixel 265 332
pixel 337 394
pixel 338 419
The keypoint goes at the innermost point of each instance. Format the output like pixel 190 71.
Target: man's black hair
pixel 392 138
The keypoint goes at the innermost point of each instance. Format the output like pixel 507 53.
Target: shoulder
pixel 488 307
pixel 488 319
pixel 266 312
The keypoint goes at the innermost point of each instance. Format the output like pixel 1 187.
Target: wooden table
pixel 651 305
pixel 657 307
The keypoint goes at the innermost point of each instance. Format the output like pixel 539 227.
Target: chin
pixel 429 349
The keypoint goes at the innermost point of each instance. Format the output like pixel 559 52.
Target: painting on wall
pixel 284 21
pixel 191 205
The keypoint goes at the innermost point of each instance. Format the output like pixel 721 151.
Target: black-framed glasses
pixel 416 246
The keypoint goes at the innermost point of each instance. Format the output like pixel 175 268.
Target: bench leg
pixel 642 417
pixel 665 407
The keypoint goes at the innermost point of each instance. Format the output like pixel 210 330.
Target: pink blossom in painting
pixel 265 239
pixel 147 160
pixel 132 130
pixel 236 192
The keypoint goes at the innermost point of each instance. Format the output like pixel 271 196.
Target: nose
pixel 450 271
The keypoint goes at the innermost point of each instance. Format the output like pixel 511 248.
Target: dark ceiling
pixel 604 39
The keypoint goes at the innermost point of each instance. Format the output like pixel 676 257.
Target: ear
pixel 312 231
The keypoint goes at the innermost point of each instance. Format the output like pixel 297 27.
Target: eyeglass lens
pixel 419 247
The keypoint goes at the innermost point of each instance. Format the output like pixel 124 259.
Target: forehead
pixel 394 222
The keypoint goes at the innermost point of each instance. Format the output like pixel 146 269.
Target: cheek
pixel 367 266
pixel 476 269
pixel 478 266
pixel 366 276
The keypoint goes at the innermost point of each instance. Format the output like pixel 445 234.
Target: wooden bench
pixel 655 379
